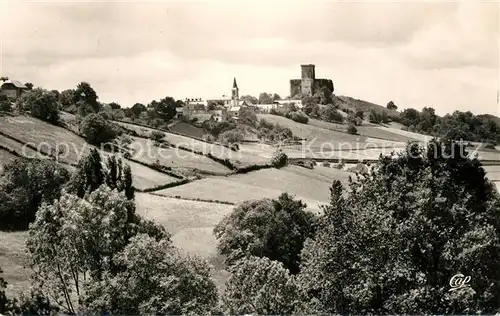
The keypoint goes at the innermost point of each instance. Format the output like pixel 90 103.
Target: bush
pixel 351 129
pixel 97 130
pixel 279 159
pixel 157 136
pixel 4 103
pixel 231 137
pixel 326 164
pixel 489 146
pixel 299 117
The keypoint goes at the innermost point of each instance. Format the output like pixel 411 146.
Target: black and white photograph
pixel 217 157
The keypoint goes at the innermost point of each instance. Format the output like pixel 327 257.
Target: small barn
pixel 12 88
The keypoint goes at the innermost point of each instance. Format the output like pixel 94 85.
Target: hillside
pixel 353 104
pixel 190 210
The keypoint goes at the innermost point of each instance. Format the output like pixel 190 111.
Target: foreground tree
pixel 154 278
pixel 72 243
pixel 24 186
pixel 392 242
pixel 263 287
pixel 275 229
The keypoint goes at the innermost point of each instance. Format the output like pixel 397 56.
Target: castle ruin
pixel 308 85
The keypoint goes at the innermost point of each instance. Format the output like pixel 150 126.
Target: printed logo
pixel 459 281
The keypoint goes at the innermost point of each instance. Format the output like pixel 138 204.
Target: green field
pixel 312 186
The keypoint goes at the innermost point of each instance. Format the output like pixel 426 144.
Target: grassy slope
pixel 13 260
pixel 144 150
pixel 309 185
pixel 50 137
pixel 5 158
pixel 365 106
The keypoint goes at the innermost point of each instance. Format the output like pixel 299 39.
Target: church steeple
pixel 235 98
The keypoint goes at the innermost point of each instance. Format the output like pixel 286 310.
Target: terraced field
pixel 309 185
pixel 146 151
pixel 50 138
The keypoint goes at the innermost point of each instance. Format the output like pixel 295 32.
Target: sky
pixel 440 54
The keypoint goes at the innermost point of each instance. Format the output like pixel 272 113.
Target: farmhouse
pixel 12 88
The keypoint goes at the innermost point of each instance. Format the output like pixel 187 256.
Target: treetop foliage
pixel 391 243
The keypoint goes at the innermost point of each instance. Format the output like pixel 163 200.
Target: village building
pixel 12 88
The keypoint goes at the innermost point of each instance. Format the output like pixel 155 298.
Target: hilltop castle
pixel 308 85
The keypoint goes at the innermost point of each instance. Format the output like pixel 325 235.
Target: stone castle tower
pixel 235 97
pixel 308 84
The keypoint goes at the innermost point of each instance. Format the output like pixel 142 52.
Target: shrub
pixel 157 135
pixel 489 146
pixel 97 130
pixel 279 159
pixel 326 164
pixel 231 137
pixel 351 129
pixel 4 103
pixel 299 117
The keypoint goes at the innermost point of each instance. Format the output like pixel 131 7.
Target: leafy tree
pixel 89 174
pixel 265 98
pixel 86 95
pixel 67 98
pixel 119 176
pixel 72 243
pixel 410 117
pixel 259 286
pixel 247 116
pixel 4 103
pixel 250 99
pixel 391 243
pixel 137 109
pixel 115 106
pixel 360 114
pixel 324 95
pixel 276 97
pixel 275 229
pixel 42 104
pixel 391 106
pixel 351 129
pixel 154 278
pixel 330 114
pixel 279 159
pixel 97 130
pixel 4 302
pixel 166 108
pixel 24 186
pixel 231 137
pixel 29 85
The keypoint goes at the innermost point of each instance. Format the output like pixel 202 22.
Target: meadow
pixel 145 151
pixel 311 186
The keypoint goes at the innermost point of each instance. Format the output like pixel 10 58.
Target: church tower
pixel 235 98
